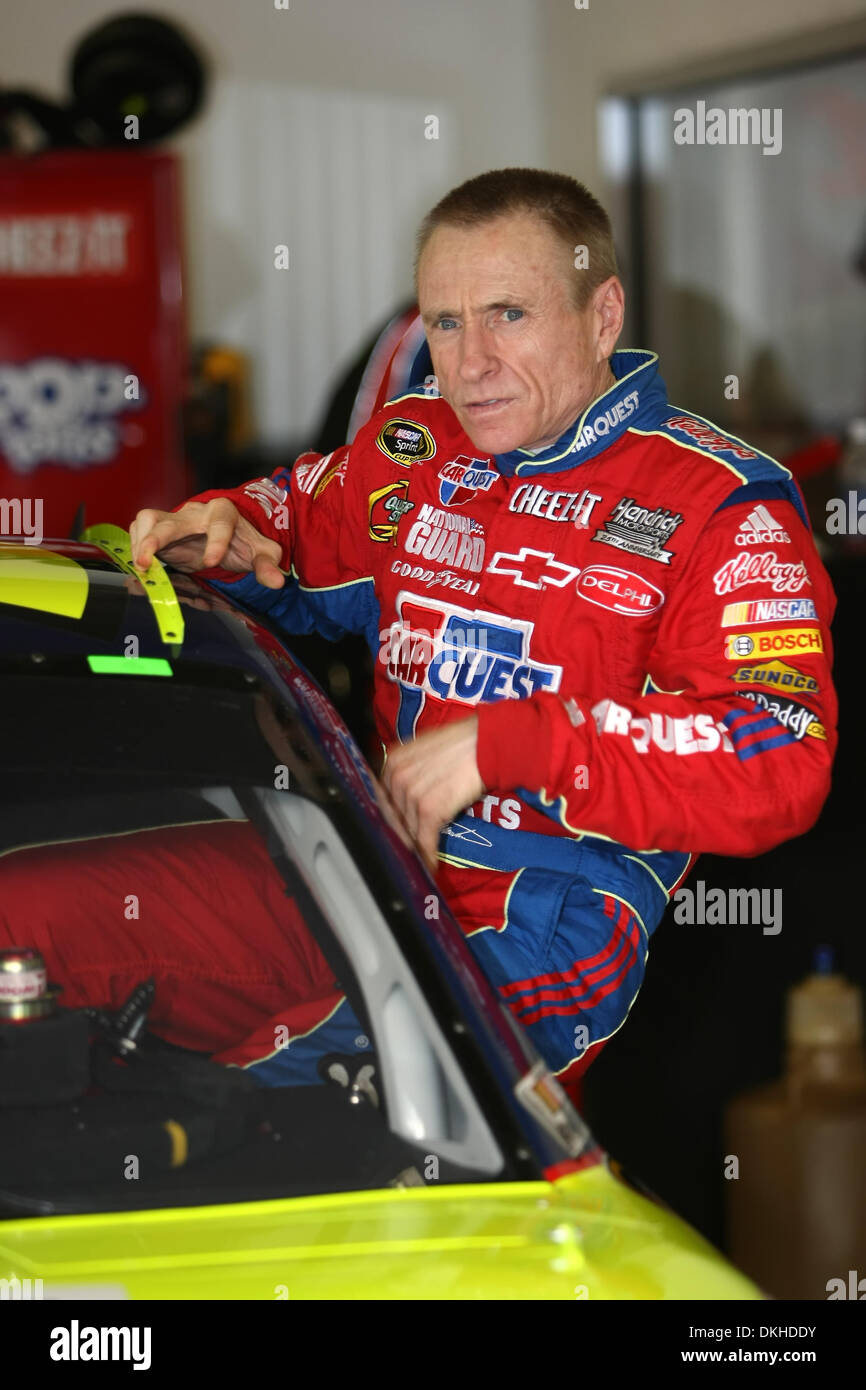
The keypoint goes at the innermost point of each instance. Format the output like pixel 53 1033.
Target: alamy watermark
pixel 735 907
pixel 741 125
pixel 22 516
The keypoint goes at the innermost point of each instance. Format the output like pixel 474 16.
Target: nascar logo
pixel 769 610
pixel 457 654
pixel 461 478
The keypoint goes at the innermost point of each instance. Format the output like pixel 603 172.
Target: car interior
pixel 90 1123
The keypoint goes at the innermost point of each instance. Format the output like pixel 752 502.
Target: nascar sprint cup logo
pixel 455 653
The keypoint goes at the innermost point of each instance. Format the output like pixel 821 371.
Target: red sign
pixel 92 338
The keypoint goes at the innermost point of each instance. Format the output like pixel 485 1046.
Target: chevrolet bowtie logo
pixel 533 569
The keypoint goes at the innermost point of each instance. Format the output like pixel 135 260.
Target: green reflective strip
pixel 129 666
pixel 155 582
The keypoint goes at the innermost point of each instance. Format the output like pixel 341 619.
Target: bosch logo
pixel 742 646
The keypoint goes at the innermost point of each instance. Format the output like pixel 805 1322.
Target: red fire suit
pixel 640 620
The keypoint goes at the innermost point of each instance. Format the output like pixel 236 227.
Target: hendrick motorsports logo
pixel 57 411
pixel 640 530
pixel 455 653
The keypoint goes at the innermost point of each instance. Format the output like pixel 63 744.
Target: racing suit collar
pixel 634 399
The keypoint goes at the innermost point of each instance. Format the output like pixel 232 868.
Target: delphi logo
pixel 454 653
pixel 461 478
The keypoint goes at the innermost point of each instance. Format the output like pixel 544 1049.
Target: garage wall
pixel 619 43
pixel 314 106
pixel 315 137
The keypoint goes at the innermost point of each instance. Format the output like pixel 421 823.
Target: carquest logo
pixel 461 478
pixel 455 653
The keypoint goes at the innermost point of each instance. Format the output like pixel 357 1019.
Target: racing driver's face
pixel 514 358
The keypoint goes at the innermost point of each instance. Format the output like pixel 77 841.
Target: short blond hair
pixel 564 205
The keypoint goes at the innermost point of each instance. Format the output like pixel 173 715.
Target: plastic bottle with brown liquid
pixel 796 1214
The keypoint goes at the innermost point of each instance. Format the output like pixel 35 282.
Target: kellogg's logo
pixel 454 653
pixel 743 569
pixel 461 478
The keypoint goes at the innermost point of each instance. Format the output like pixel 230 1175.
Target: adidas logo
pixel 760 528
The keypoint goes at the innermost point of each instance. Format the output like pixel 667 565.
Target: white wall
pixel 591 52
pixel 313 106
pixel 315 137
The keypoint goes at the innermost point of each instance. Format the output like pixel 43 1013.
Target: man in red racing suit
pixel 600 649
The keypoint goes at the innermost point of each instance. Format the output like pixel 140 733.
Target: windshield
pixel 170 832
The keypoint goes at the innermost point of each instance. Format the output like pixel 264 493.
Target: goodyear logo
pixel 778 641
pixel 778 674
pixel 454 653
pixel 406 441
pixel 387 505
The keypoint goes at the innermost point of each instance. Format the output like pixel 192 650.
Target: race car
pixel 352 1112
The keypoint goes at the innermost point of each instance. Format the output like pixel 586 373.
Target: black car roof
pixel 67 597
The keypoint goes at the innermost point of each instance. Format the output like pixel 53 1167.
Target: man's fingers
pixel 428 843
pixel 268 573
pixel 150 536
pixel 221 519
pixel 391 814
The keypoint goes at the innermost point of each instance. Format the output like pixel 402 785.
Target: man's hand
pixel 432 779
pixel 202 535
